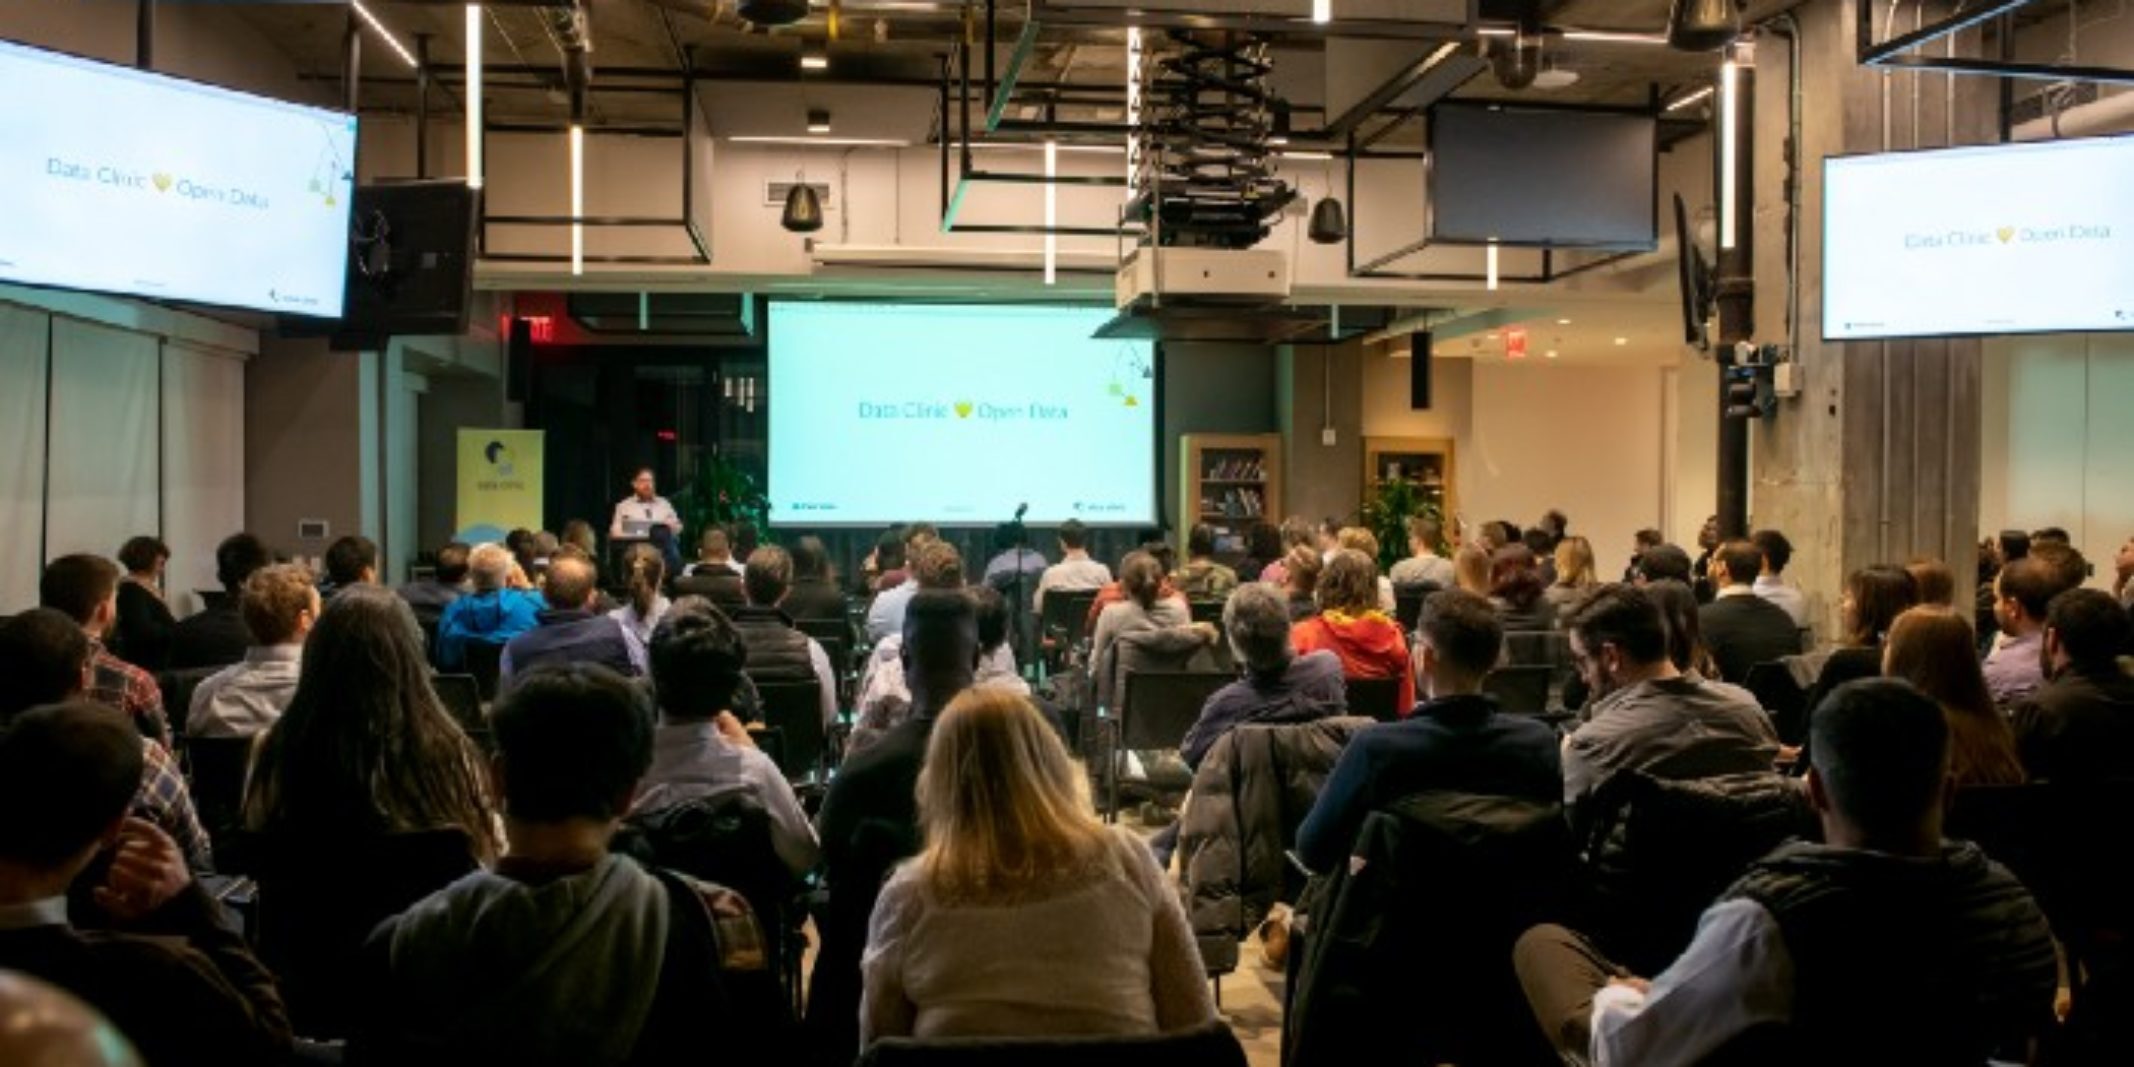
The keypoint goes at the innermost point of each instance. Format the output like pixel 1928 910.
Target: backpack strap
pixel 715 982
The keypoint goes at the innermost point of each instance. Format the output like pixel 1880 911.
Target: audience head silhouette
pixel 280 604
pixel 1200 541
pixel 1618 638
pixel 1685 628
pixel 1663 563
pixel 1880 764
pixel 940 650
pixel 1471 569
pixel 78 767
pixel 1002 806
pixel 83 587
pixel 489 567
pixel 1736 562
pixel 1141 578
pixel 1256 622
pixel 2085 630
pixel 572 583
pixel 1933 648
pixel 44 655
pixel 697 657
pixel 1458 640
pixel 769 577
pixel 143 556
pixel 811 560
pixel 1349 585
pixel 451 567
pixel 992 611
pixel 1074 537
pixel 936 564
pixel 572 742
pixel 1777 551
pixel 1514 577
pixel 237 557
pixel 352 560
pixel 1874 597
pixel 42 1025
pixel 645 570
pixel 1574 562
pixel 1935 581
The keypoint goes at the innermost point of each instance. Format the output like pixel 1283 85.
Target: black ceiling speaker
pixel 803 209
pixel 1517 62
pixel 1703 25
pixel 1330 224
pixel 772 12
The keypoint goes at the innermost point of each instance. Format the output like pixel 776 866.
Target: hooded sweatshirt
pixel 1370 646
pixel 491 969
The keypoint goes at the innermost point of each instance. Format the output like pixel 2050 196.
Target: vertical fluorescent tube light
pixel 1322 11
pixel 1729 132
pixel 474 95
pixel 1491 256
pixel 1052 212
pixel 577 199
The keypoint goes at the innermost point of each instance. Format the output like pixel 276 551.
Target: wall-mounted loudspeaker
pixel 518 361
pixel 1419 360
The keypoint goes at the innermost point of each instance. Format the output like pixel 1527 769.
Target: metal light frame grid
pixel 1069 13
pixel 1899 52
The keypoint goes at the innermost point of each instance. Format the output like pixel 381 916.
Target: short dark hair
pixel 2045 535
pixel 140 553
pixel 810 558
pixel 1538 541
pixel 1200 540
pixel 1743 560
pixel 348 557
pixel 2028 582
pixel 77 766
pixel 1463 630
pixel 921 531
pixel 574 738
pixel 696 657
pixel 941 630
pixel 1624 616
pixel 2091 624
pixel 1664 563
pixel 1881 748
pixel 1648 537
pixel 2014 544
pixel 768 577
pixel 570 582
pixel 889 549
pixel 452 562
pixel 1776 549
pixel 42 654
pixel 2062 563
pixel 237 557
pixel 992 613
pixel 1073 534
pixel 77 585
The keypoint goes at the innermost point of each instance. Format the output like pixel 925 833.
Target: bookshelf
pixel 1425 461
pixel 1228 481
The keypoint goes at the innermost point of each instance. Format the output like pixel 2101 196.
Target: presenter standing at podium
pixel 644 515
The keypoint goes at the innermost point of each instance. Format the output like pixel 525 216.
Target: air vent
pixel 774 193
pixel 2063 95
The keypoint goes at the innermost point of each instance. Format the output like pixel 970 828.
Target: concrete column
pixel 1877 461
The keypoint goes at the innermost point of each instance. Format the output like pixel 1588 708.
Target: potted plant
pixel 722 494
pixel 1386 513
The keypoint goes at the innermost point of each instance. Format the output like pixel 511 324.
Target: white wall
pixel 2055 439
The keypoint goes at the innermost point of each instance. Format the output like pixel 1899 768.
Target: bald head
pixel 571 583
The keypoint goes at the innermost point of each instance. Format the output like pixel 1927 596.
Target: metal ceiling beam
pixel 1901 51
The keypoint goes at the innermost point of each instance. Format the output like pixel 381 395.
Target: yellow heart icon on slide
pixel 2005 233
pixel 162 182
pixel 963 409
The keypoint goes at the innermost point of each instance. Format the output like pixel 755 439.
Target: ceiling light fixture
pixel 474 95
pixel 818 121
pixel 1689 98
pixel 1729 136
pixel 814 61
pixel 1492 268
pixel 1614 37
pixel 803 207
pixel 1314 156
pixel 1550 354
pixel 1330 222
pixel 577 198
pixel 1563 322
pixel 1052 213
pixel 1322 11
pixel 1622 340
pixel 379 28
pixel 842 142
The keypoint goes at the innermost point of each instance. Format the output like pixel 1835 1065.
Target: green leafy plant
pixel 722 494
pixel 1386 513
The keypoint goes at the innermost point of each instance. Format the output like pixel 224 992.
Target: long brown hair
pixel 365 746
pixel 1933 648
pixel 648 571
pixel 1879 594
pixel 1004 809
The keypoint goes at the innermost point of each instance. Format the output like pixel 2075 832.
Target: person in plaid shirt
pixel 45 658
pixel 86 589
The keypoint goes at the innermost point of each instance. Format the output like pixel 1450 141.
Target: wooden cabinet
pixel 1229 481
pixel 1426 462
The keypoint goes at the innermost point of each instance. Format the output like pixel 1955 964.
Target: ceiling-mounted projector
pixel 1703 25
pixel 772 12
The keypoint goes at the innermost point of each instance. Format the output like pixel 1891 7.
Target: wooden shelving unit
pixel 1425 461
pixel 1228 481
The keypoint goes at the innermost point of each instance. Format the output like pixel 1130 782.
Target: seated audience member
pixel 885 566
pixel 1364 541
pixel 1202 578
pixel 1300 584
pixel 1640 542
pixel 1575 576
pixel 1647 715
pixel 44 657
pixel 520 543
pixel 1936 582
pixel 1685 632
pixel 1276 685
pixel 215 636
pixel 2080 725
pixel 50 1027
pixel 564 952
pixel 1515 591
pixel 2123 574
pixel 1555 524
pixel 1770 581
pixel 814 594
pixel 1883 944
pixel 1326 537
pixel 714 553
pixel 2064 565
pixel 645 571
pixel 1349 623
pixel 350 561
pixel 543 547
pixel 1425 534
pixel 569 631
pixel 1075 570
pixel 2015 665
pixel 1874 597
pixel 2048 535
pixel 1263 547
pixel 883 698
pixel 996 661
pixel 447 581
pixel 86 589
pixel 578 534
pixel 1014 561
pixel 1707 543
pixel 1144 607
pixel 700 748
pixel 1455 741
pixel 1471 569
pixel 923 551
pixel 777 652
pixel 1543 547
pixel 365 748
pixel 159 959
pixel 1296 532
pixel 141 636
pixel 1115 592
pixel 1664 563
pixel 1930 646
pixel 1014 856
pixel 502 605
pixel 280 604
pixel 1740 628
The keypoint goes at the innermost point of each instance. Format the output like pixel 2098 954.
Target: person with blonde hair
pixel 1300 582
pixel 1352 626
pixel 1574 573
pixel 1932 647
pixel 644 570
pixel 1014 857
pixel 1472 570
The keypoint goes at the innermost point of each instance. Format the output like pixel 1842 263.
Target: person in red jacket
pixel 1350 625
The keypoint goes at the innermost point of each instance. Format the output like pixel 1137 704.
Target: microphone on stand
pixel 1020 509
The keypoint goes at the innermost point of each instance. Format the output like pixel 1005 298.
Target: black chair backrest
pixel 826 630
pixel 1537 648
pixel 1408 600
pixel 177 689
pixel 792 715
pixel 462 696
pixel 215 769
pixel 1781 697
pixel 1208 611
pixel 1520 690
pixel 1211 1045
pixel 1066 611
pixel 1160 706
pixel 1378 698
pixel 723 589
pixel 484 659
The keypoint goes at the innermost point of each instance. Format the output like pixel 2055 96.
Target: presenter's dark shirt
pixel 216 637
